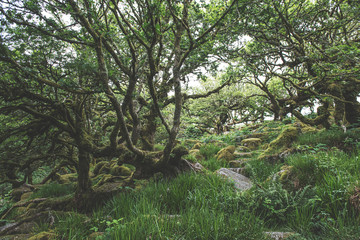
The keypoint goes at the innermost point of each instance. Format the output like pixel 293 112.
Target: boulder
pixel 251 143
pixel 43 236
pixel 279 235
pixel 226 153
pixel 17 237
pixel 196 153
pixel 243 154
pixel 243 149
pixel 240 181
pixel 236 163
pixel 282 142
pixel 18 192
pixel 25 196
pixel 197 146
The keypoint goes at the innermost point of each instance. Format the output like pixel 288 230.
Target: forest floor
pixel 276 180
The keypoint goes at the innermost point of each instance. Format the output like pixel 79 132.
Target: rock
pixel 252 143
pixel 226 153
pixel 241 182
pixel 25 196
pixel 238 170
pixel 282 142
pixel 177 152
pixel 243 149
pixel 198 167
pixel 279 235
pixel 236 163
pixel 16 237
pixel 16 228
pixel 243 154
pixel 196 153
pixel 285 173
pixel 43 236
pixel 197 146
pixel 18 192
pixel 354 199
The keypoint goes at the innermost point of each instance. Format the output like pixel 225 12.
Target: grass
pixel 191 206
pixel 209 150
pixel 204 206
pixel 54 190
pixel 259 170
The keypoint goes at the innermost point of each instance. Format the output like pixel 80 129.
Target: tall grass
pixel 188 207
pixel 54 190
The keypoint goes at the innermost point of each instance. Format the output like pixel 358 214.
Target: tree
pixel 99 73
pixel 312 46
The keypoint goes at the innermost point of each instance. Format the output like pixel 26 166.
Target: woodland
pixel 179 119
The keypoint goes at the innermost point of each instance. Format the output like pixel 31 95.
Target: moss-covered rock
pixel 226 153
pixel 179 151
pixel 243 149
pixel 43 236
pixel 243 154
pixel 251 143
pixel 282 142
pixel 236 163
pixel 25 196
pixel 18 192
pixel 285 173
pixel 196 153
pixel 198 145
pixel 17 237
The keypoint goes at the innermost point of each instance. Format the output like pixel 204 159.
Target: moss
pixel 252 143
pixel 243 149
pixel 285 173
pixel 25 196
pixel 196 153
pixel 179 151
pixel 120 171
pixel 104 169
pixel 283 141
pixel 61 203
pixel 43 236
pixel 226 153
pixel 236 164
pixel 67 178
pixel 197 146
pixel 190 142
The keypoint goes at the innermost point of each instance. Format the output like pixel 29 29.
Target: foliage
pixel 190 206
pixel 53 190
pixel 209 150
pixel 72 226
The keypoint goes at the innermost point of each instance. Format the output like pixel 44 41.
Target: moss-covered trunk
pixel 84 183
